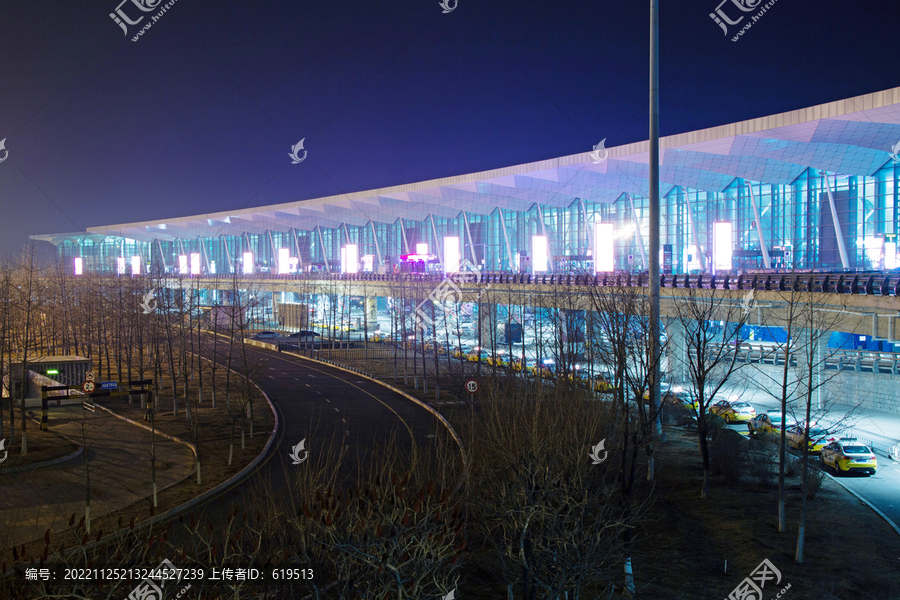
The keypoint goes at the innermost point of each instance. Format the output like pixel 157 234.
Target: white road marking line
pixel 343 420
pixel 327 400
pixel 336 410
pixel 318 392
pixel 307 385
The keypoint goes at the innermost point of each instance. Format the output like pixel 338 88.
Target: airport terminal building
pixel 814 188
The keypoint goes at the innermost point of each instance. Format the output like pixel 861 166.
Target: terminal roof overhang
pixel 848 137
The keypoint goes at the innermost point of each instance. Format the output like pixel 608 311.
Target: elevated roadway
pixel 862 304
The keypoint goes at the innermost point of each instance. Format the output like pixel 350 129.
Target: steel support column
pixel 512 267
pixel 403 233
pixel 694 233
pixel 297 248
pixel 471 243
pixel 375 239
pixel 759 229
pixel 842 248
pixel 322 244
pixel 637 230
pixel 437 243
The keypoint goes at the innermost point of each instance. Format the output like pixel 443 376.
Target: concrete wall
pixel 872 391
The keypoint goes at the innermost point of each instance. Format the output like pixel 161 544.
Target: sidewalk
pixel 119 455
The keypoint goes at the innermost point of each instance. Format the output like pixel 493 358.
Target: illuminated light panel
pixel 368 261
pixel 79 266
pixel 352 258
pixel 421 248
pixel 284 261
pixel 451 255
pixel 120 265
pixel 604 258
pixel 195 264
pixel 182 264
pixel 539 253
pixel 248 263
pixel 890 255
pixel 722 249
pixel 135 265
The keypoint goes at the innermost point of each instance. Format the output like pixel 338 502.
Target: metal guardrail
pixel 864 284
pixel 860 361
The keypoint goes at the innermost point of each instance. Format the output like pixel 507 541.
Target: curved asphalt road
pixel 333 410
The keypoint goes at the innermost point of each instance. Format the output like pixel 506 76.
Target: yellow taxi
pixel 474 354
pixel 848 455
pixel 767 422
pixel 818 437
pixel 733 411
pixel 600 384
pixel 676 395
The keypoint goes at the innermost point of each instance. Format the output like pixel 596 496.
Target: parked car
pixel 767 422
pixel 818 437
pixel 848 455
pixel 733 411
pixel 265 335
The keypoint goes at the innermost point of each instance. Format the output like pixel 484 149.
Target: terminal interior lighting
pixel 120 265
pixel 135 265
pixel 248 263
pixel 195 263
pixel 182 264
pixel 539 252
pixel 79 266
pixel 421 248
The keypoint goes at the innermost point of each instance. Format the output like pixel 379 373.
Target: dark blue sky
pixel 200 113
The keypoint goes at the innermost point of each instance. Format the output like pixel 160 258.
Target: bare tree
pixel 711 325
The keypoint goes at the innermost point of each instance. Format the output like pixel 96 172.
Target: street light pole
pixel 654 218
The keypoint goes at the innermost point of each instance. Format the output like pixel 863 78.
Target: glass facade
pixel 795 222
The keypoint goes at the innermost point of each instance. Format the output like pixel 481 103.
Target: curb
pixel 866 502
pixel 191 446
pixel 416 401
pixel 45 463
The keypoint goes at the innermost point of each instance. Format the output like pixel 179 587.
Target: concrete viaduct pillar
pixel 676 351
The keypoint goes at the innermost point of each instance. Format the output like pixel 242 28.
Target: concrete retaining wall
pixel 872 391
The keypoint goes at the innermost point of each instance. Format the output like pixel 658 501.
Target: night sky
pixel 200 113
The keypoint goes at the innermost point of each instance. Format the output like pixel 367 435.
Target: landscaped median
pixel 208 436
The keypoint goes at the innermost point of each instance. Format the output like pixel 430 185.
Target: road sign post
pixel 88 387
pixel 471 387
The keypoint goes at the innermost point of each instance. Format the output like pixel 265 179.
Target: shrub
pixel 814 479
pixel 728 454
pixel 761 461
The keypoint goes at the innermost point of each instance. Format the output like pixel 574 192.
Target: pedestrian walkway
pixel 119 455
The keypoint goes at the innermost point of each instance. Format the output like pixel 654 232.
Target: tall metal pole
pixel 654 216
